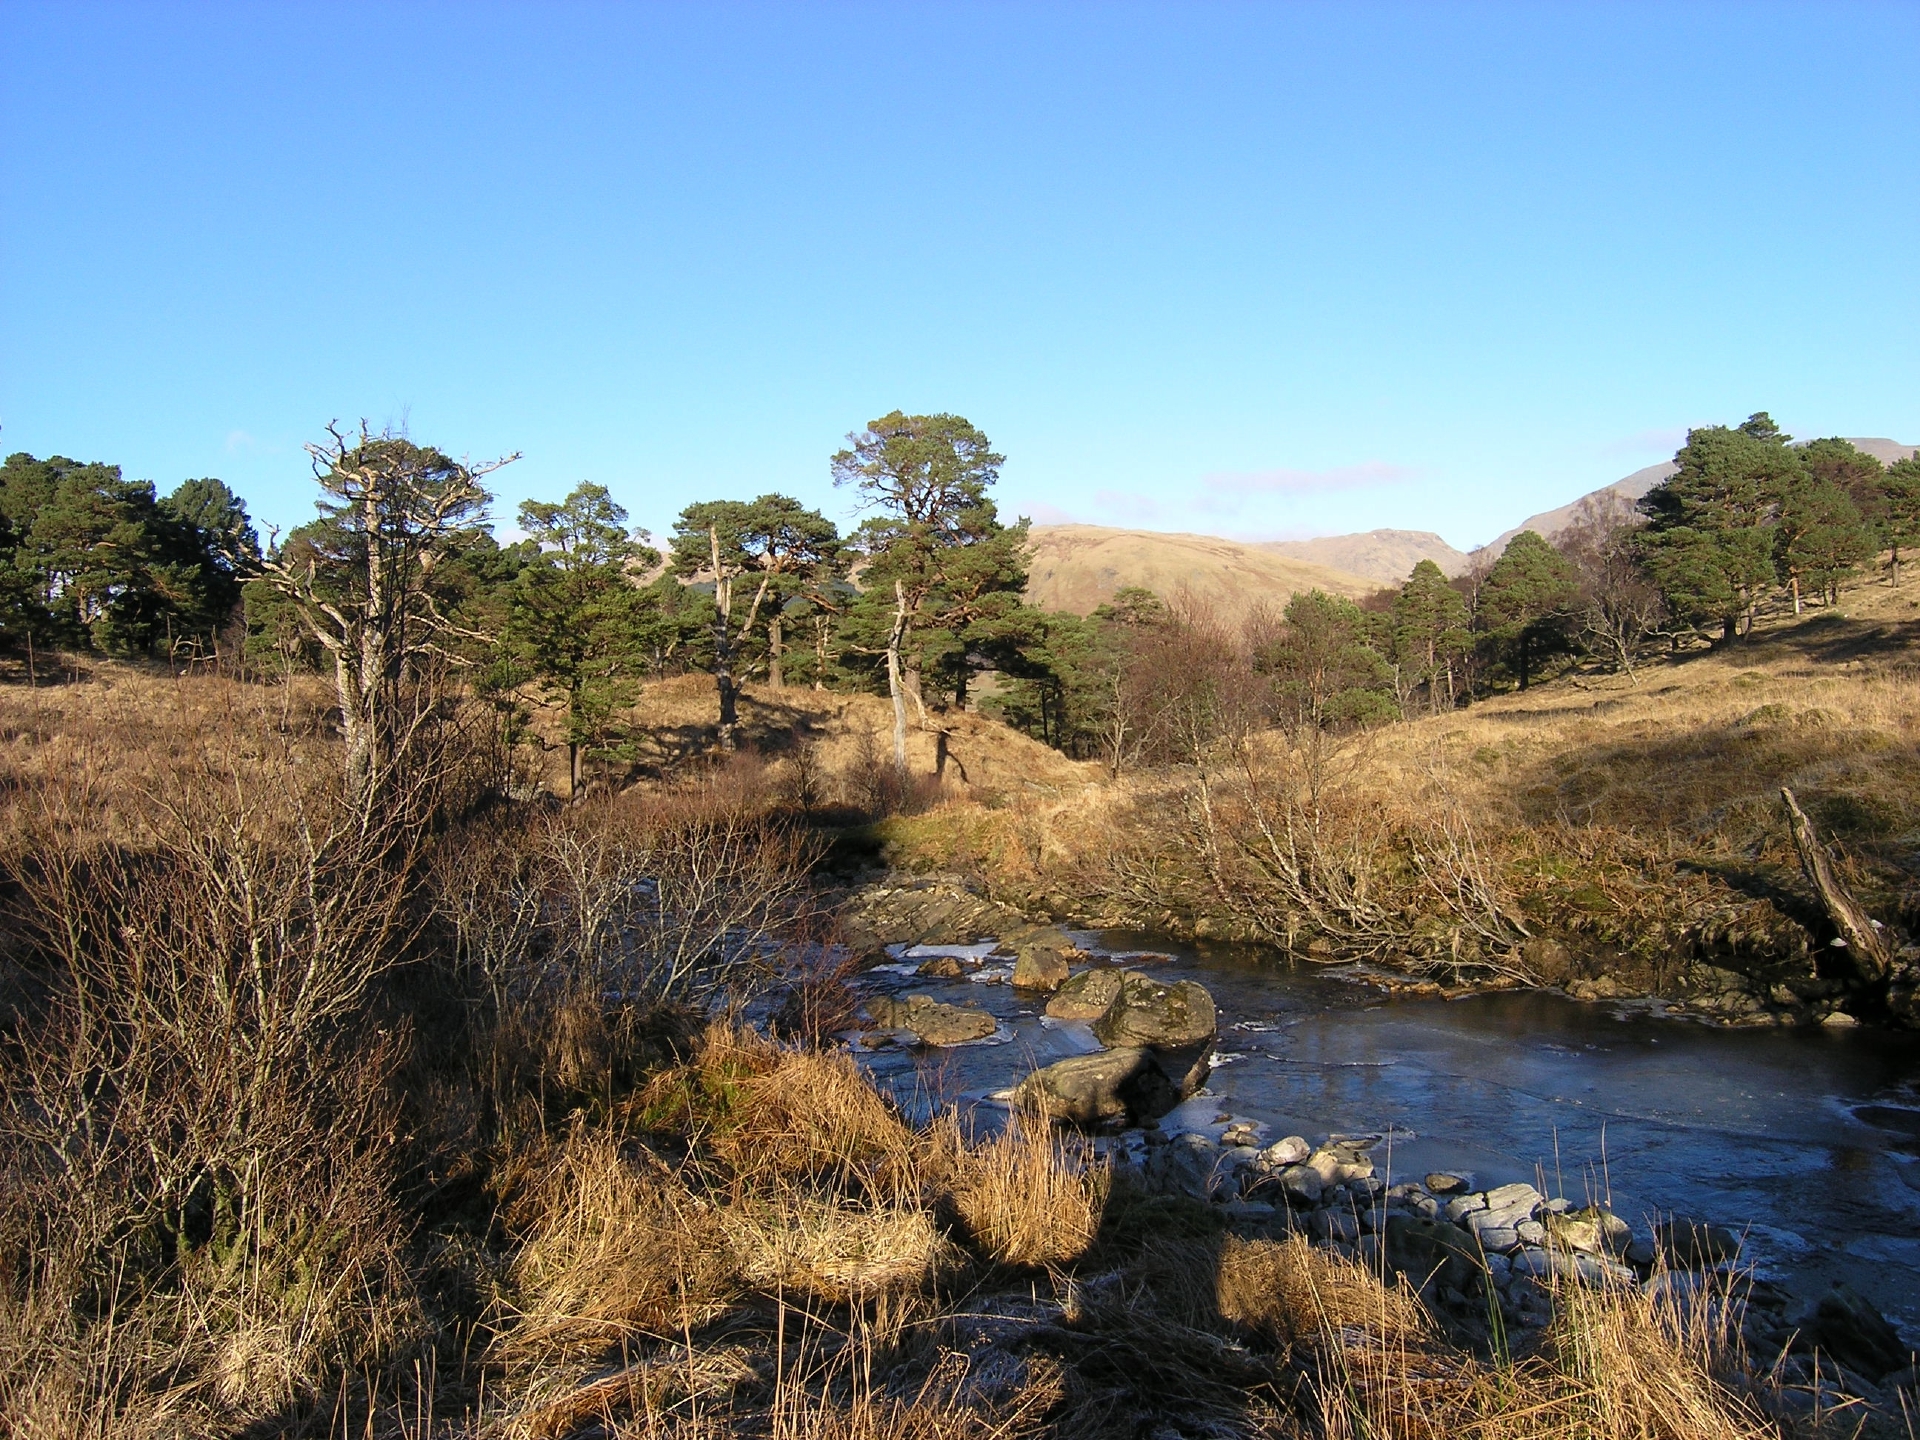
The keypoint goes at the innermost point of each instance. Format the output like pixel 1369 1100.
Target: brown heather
pixel 441 1141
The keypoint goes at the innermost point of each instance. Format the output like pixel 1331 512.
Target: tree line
pixel 400 583
pixel 1747 516
pixel 921 601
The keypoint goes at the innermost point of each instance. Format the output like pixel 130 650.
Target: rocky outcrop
pixel 1146 1011
pixel 936 910
pixel 932 1021
pixel 1086 996
pixel 1042 965
pixel 1128 1084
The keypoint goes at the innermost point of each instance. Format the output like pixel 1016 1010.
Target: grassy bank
pixel 320 1126
pixel 1605 834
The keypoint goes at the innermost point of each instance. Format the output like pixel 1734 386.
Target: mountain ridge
pixel 1078 567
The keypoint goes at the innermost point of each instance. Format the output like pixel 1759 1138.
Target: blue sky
pixel 1257 270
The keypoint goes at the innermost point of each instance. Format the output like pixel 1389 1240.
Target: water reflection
pixel 1807 1136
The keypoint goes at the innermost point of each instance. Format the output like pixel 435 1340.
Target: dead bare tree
pixel 360 580
pixel 1619 608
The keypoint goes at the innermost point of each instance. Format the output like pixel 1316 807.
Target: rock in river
pixel 1086 996
pixel 1148 1012
pixel 935 1023
pixel 1128 1084
pixel 1695 1245
pixel 1424 1249
pixel 1041 966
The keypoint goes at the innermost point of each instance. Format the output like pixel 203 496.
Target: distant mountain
pixel 1386 556
pixel 1883 450
pixel 1549 523
pixel 1078 567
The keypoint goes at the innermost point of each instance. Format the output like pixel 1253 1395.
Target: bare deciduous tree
pixel 1619 606
pixel 361 581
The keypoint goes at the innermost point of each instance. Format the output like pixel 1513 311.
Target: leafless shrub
pixel 198 1126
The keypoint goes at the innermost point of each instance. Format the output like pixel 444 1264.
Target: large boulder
pixel 934 1022
pixel 1086 996
pixel 1041 965
pixel 1432 1249
pixel 1129 1084
pixel 1694 1244
pixel 1845 1326
pixel 1149 1012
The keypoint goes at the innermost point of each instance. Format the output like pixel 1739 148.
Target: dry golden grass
pixel 1294 1292
pixel 615 1249
pixel 832 1249
pixel 843 736
pixel 1637 818
pixel 1028 1198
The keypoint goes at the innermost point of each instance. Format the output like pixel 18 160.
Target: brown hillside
pixel 1078 568
pixel 1384 556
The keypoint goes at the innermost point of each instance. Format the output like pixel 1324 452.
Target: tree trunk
pixel 573 770
pixel 911 675
pixel 1795 582
pixel 1525 647
pixel 820 630
pixel 723 642
pixel 1866 951
pixel 776 634
pixel 894 684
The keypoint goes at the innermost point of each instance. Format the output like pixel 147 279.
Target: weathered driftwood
pixel 1864 947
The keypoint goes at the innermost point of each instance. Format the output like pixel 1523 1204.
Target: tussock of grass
pixel 822 1249
pixel 615 1248
pixel 1026 1198
pixel 1293 1292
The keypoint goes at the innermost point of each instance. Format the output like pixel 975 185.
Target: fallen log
pixel 1865 949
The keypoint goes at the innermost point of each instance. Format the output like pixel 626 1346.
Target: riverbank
pixel 1599 836
pixel 1422 1172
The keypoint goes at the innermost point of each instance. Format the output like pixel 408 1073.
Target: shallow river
pixel 1807 1139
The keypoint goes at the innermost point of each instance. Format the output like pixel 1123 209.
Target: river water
pixel 1808 1139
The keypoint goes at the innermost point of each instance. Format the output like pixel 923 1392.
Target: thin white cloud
pixel 239 441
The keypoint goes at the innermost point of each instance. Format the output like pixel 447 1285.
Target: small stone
pixel 1462 1206
pixel 942 967
pixel 1290 1151
pixel 1440 1183
pixel 1531 1232
pixel 1839 1019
